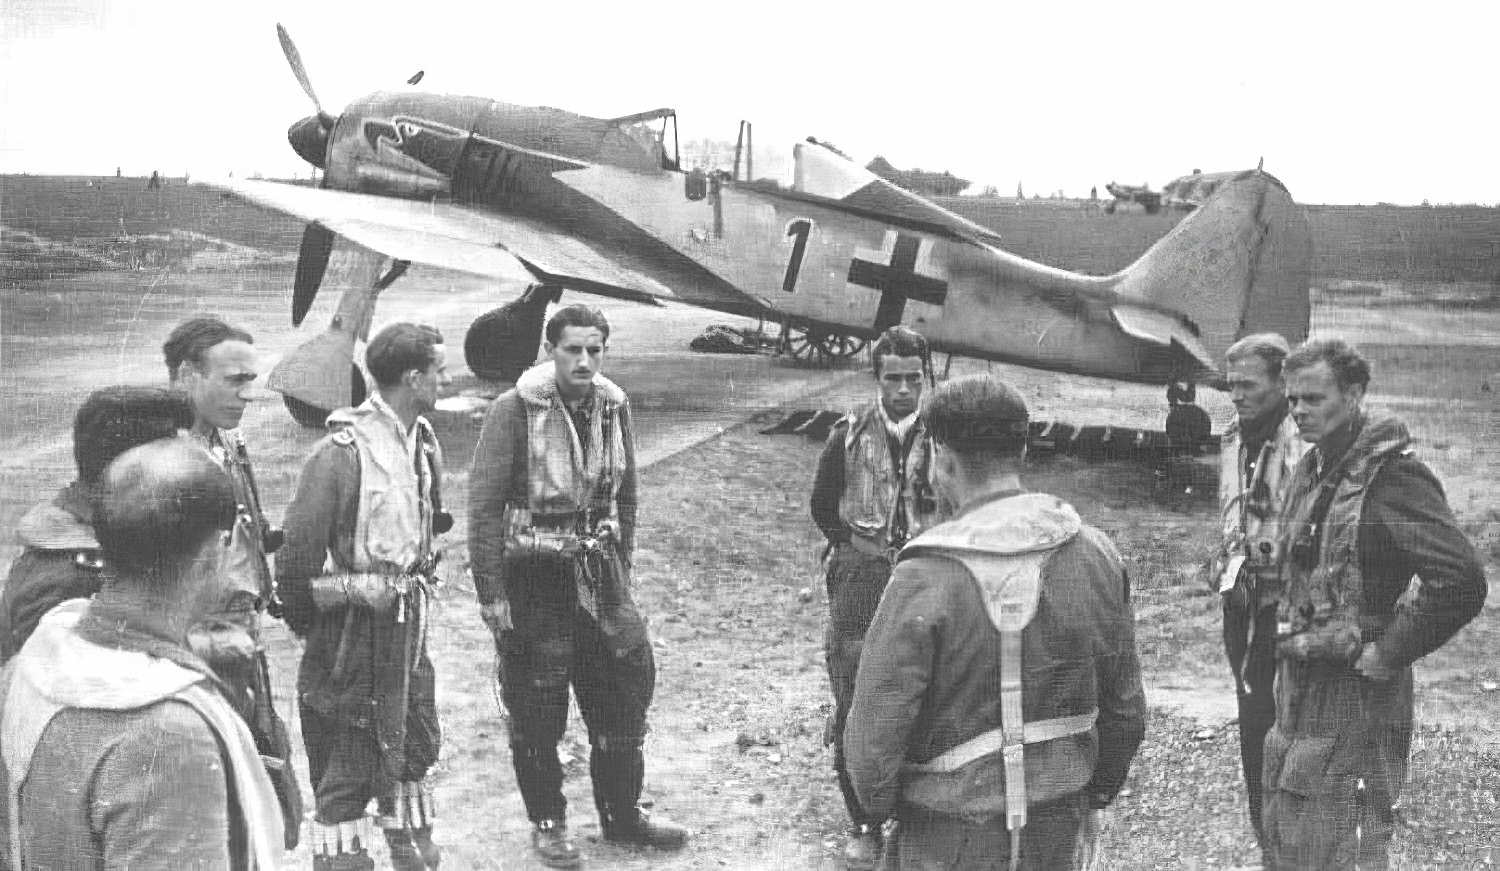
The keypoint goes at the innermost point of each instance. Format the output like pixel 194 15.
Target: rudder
pixel 1240 264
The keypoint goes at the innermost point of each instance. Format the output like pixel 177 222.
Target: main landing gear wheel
pixel 502 343
pixel 808 345
pixel 313 417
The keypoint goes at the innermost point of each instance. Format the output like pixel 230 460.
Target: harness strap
pixel 1013 739
pixel 990 742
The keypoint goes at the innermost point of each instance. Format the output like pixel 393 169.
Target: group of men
pixel 137 724
pixel 987 694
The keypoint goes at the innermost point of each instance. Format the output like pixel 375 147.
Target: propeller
pixel 309 138
pixel 312 263
pixel 294 58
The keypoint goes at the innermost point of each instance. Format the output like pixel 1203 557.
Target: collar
pixel 898 430
pixel 1325 460
pixel 1264 431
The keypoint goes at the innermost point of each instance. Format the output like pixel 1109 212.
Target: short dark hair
pixel 191 339
pixel 1182 391
pixel 156 505
pixel 115 419
pixel 576 315
pixel 1350 368
pixel 1270 347
pixel 400 348
pixel 977 415
pixel 899 341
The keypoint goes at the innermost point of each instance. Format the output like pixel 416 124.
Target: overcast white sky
pixel 1347 102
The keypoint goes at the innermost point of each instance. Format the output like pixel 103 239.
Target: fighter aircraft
pixel 1188 192
pixel 602 206
pixel 1129 193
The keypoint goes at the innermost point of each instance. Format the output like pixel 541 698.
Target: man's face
pixel 219 388
pixel 1318 406
pixel 429 384
pixel 578 356
pixel 900 384
pixel 1256 394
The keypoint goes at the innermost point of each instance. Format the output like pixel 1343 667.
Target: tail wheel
pixel 314 417
pixel 841 347
pixel 809 345
pixel 800 344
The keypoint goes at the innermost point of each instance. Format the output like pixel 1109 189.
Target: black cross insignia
pixel 898 281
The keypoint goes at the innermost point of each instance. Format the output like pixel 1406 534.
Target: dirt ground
pixel 728 567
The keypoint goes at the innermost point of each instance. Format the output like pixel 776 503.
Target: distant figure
pixel 1189 432
pixel 1094 193
pixel 155 183
pixel 120 747
pixel 1020 194
pixel 117 172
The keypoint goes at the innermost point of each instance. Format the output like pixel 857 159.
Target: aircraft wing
pixel 454 237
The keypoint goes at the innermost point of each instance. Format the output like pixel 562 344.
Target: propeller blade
pixel 289 49
pixel 312 262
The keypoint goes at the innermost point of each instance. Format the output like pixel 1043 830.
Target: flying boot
pixel 342 846
pixel 618 774
pixel 539 777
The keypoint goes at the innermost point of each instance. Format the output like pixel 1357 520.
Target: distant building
pixel 928 184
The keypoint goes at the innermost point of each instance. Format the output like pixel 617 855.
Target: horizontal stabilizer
pixel 1160 328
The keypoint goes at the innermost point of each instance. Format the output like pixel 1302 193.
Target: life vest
pixel 563 478
pixel 398 477
pixel 1325 599
pixel 874 485
pixel 1250 506
pixel 1004 545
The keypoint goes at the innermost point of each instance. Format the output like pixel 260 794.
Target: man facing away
pixel 552 503
pixel 121 749
pixel 1363 517
pixel 368 503
pixel 1259 454
pixel 870 494
pixel 60 559
pixel 998 703
pixel 215 365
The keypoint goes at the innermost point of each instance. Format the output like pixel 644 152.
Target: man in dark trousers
pixel 1257 459
pixel 369 503
pixel 998 704
pixel 215 366
pixel 122 749
pixel 552 502
pixel 60 559
pixel 870 494
pixel 1363 517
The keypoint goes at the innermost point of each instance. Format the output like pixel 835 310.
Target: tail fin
pixel 1240 264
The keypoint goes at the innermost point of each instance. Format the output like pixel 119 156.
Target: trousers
pixel 604 658
pixel 1254 666
pixel 928 841
pixel 855 582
